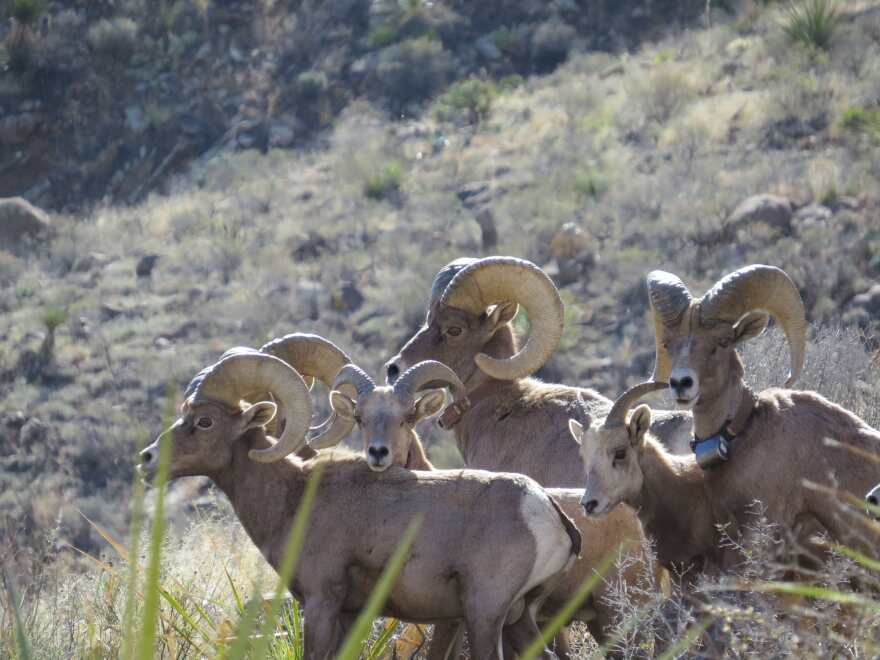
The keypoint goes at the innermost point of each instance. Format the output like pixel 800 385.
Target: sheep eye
pixel 454 331
pixel 620 454
pixel 205 422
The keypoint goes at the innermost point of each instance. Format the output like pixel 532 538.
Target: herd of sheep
pixel 557 476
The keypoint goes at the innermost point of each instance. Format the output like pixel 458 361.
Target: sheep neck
pixel 669 504
pixel 712 413
pixel 263 495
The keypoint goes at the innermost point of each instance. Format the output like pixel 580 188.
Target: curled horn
pixel 352 381
pixel 766 288
pixel 617 416
pixel 318 358
pixel 670 299
pixel 494 280
pixel 242 372
pixel 428 374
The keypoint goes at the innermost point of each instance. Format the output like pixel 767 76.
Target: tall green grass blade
pixel 858 557
pixel 692 635
pixel 564 615
pixel 351 649
pixel 813 591
pixel 239 603
pixel 128 617
pixel 246 625
pixel 175 604
pixel 150 613
pixel 379 649
pixel 292 550
pixel 18 630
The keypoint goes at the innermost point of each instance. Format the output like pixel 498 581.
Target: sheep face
pixel 611 460
pixel 202 438
pixel 454 337
pixel 704 358
pixel 386 422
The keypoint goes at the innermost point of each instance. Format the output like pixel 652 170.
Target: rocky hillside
pixel 106 100
pixel 697 152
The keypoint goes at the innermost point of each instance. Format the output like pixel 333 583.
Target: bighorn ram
pixel 625 463
pixel 387 417
pixel 772 446
pixel 500 537
pixel 509 422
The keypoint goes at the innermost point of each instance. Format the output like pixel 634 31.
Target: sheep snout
pixel 685 386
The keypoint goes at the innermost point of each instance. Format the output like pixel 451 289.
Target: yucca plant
pixel 812 22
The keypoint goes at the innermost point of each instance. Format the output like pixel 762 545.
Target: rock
pixel 488 230
pixel 474 194
pixel 34 433
pixel 771 210
pixel 281 135
pixel 135 119
pixel 812 216
pixel 146 264
pixel 17 128
pixel 869 300
pixel 19 220
pixel 487 49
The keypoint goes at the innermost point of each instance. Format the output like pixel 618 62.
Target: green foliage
pixel 589 181
pixel 381 36
pixel 385 180
pixel 812 22
pixel 113 39
pixel 53 317
pixel 470 99
pixel 413 70
pixel 311 85
pixel 859 119
pixel 26 12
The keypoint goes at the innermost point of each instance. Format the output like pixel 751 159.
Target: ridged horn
pixel 760 287
pixel 314 357
pixel 428 374
pixel 351 381
pixel 617 416
pixel 670 299
pixel 494 280
pixel 241 373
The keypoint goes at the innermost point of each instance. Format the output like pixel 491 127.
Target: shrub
pixel 412 70
pixel 470 98
pixel 113 39
pixel 812 22
pixel 26 12
pixel 861 120
pixel 551 43
pixel 311 85
pixel 386 180
pixel 662 94
pixel 381 36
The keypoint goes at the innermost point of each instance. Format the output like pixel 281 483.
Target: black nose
pixel 590 506
pixel 392 372
pixel 681 384
pixel 872 500
pixel 378 452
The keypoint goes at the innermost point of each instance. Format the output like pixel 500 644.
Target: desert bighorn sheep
pixel 772 446
pixel 500 537
pixel 625 463
pixel 387 417
pixel 509 422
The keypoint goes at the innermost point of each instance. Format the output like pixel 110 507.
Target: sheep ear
pixel 750 326
pixel 576 429
pixel 502 314
pixel 429 404
pixel 639 423
pixel 259 414
pixel 342 405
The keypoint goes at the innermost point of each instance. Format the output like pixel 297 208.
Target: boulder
pixel 20 220
pixel 772 210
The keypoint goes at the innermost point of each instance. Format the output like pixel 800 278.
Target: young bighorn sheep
pixel 490 545
pixel 778 441
pixel 387 417
pixel 625 463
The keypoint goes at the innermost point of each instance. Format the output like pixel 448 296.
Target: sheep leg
pixel 561 645
pixel 484 625
pixel 321 628
pixel 445 642
pixel 518 635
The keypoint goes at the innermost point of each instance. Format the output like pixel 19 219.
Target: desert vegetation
pixel 748 135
